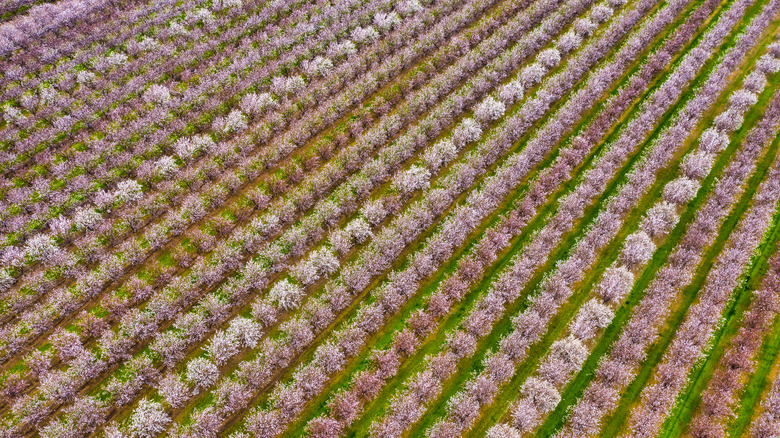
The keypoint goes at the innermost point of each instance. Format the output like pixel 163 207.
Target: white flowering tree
pixel 149 419
pixel 286 294
pixel 541 393
pixel 202 372
pixel 489 109
pixel 412 179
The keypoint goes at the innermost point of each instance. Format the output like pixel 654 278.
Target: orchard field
pixel 389 218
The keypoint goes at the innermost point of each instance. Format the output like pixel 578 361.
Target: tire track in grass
pixel 759 384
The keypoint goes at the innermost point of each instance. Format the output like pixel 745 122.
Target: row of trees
pixel 89 106
pixel 766 424
pixel 693 334
pixel 94 160
pixel 373 320
pixel 404 404
pixel 616 370
pixel 69 45
pixel 596 314
pixel 720 397
pixel 176 216
pixel 221 163
pixel 106 228
pixel 43 18
pixel 568 354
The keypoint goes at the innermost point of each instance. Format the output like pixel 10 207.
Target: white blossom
pixel 222 346
pixel 128 191
pixel 362 35
pixel 253 103
pixel 40 247
pixel 713 141
pixel 511 92
pixel 202 14
pixel 584 26
pixel 468 131
pixel 440 153
pixel 157 94
pixel 149 419
pixel 319 66
pixel 542 393
pixel 697 165
pixel 186 148
pixel 173 389
pixel 358 229
pixel 176 28
pixel 202 372
pixel 294 84
pixel 489 109
pixel 324 260
pixel 374 211
pixel 601 13
pixel 60 225
pixel 743 99
pixel 226 4
pixel 338 49
pixel 615 284
pixel 234 121
pixel 6 279
pixel 47 94
pixel 406 7
pixel 12 115
pixel 282 86
pixel 569 41
pixel 247 331
pixel 532 74
pixel 305 272
pixel 165 166
pixel 286 295
pixel 659 219
pixel 729 120
pixel 755 82
pixel 86 217
pixel 385 21
pixel 681 191
pixel 85 77
pixel 115 59
pixel 638 249
pixel 549 57
pixel 503 431
pixel 768 64
pixel 146 44
pixel 591 317
pixel 412 179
